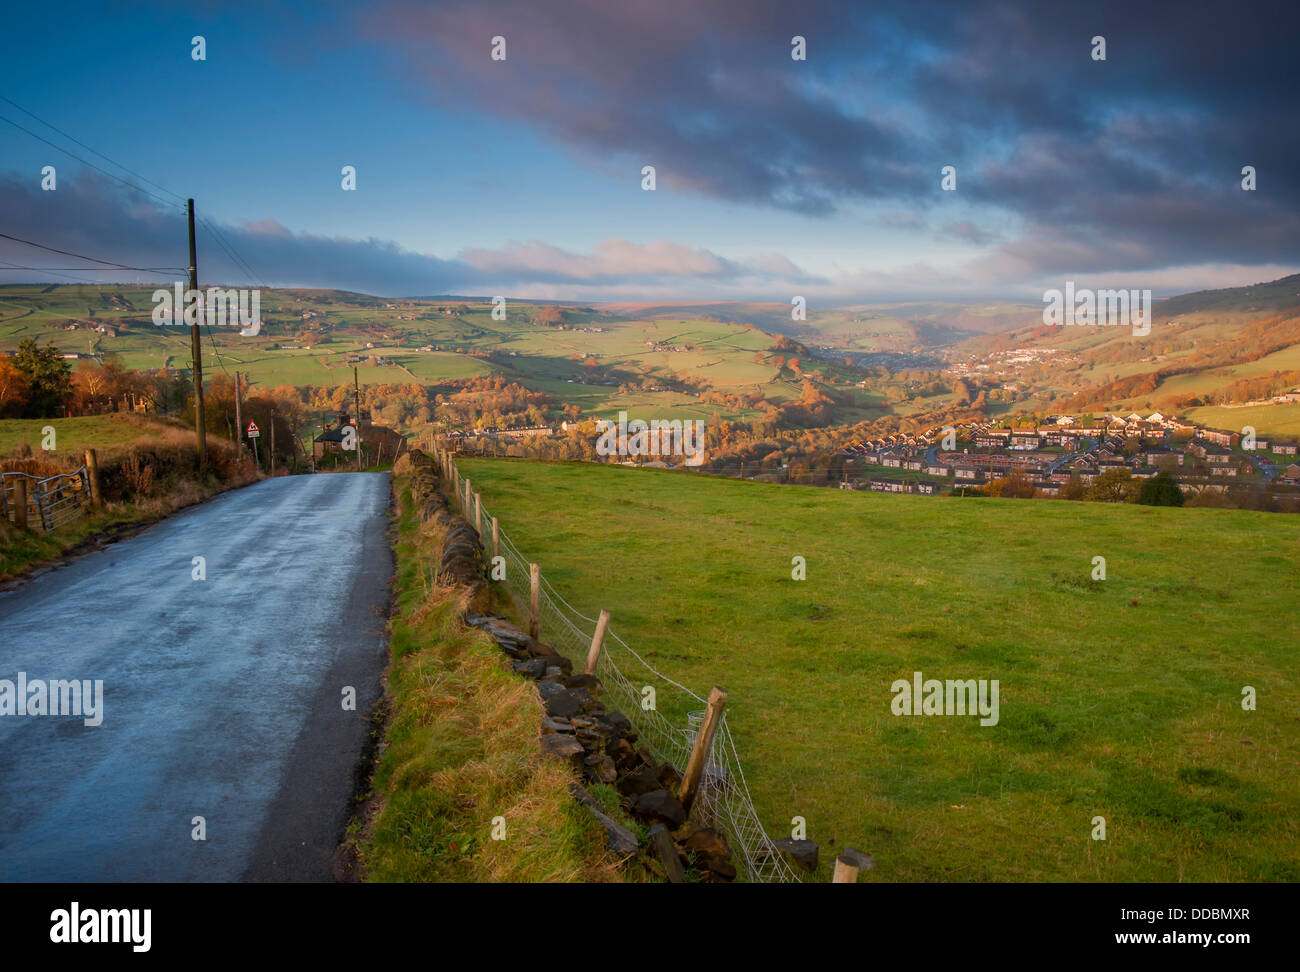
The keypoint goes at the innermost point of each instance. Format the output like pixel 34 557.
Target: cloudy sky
pixel 775 177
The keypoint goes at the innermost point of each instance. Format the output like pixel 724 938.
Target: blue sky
pixel 775 177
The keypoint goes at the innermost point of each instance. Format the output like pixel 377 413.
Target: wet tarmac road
pixel 222 698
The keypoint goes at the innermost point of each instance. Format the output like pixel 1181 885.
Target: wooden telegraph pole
pixel 196 348
pixel 239 422
pixel 356 382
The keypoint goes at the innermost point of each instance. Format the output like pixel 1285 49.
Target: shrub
pixel 1161 490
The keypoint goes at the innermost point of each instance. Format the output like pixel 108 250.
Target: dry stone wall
pixel 601 746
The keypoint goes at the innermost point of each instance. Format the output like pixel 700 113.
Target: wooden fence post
pixel 478 514
pixel 700 751
pixel 496 539
pixel 468 501
pixel 20 502
pixel 597 641
pixel 534 600
pixel 92 473
pixel 845 872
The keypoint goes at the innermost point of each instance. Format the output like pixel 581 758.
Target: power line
pixel 213 341
pixel 82 256
pixel 32 114
pixel 14 266
pixel 236 258
pixel 141 269
pixel 91 165
pixel 240 262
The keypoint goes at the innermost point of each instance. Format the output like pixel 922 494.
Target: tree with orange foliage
pixel 14 389
pixel 1015 485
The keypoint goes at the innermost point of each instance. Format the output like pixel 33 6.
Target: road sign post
pixel 254 433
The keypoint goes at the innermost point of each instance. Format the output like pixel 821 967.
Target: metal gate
pixel 51 502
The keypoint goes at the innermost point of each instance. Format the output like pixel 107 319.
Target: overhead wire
pixel 91 165
pixel 14 266
pixel 70 138
pixel 52 269
pixel 228 248
pixel 82 256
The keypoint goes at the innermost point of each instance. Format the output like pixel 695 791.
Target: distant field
pixel 896 327
pixel 1118 698
pixel 1271 420
pixel 547 359
pixel 1288 359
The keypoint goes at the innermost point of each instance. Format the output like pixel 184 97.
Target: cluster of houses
pixel 658 346
pixel 356 358
pixel 105 330
pixel 515 432
pixel 1050 455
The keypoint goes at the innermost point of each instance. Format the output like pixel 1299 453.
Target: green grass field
pixel 1282 419
pixel 1204 382
pixel 547 359
pixel 1119 698
pixel 75 435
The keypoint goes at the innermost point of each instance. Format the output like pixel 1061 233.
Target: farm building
pixel 378 443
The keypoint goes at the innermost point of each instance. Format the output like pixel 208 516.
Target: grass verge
pixel 142 482
pixel 460 749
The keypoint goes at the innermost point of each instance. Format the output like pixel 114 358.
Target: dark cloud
pixel 1132 163
pixel 1146 145
pixel 92 216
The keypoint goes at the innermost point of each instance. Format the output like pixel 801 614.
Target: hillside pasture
pixel 1119 698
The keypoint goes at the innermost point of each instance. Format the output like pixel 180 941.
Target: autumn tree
pixel 550 316
pixel 14 389
pixel 1114 486
pixel 1016 485
pixel 1075 489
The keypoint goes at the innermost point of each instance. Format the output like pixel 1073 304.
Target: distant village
pixel 1062 451
pixel 1067 448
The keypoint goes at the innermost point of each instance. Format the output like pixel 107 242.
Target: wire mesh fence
pixel 665 713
